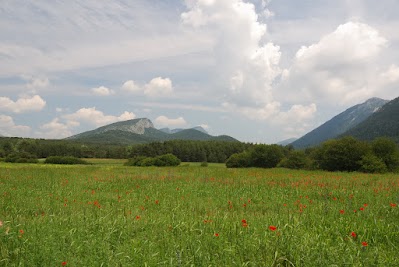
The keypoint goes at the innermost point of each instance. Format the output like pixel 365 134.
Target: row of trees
pixel 345 154
pixel 188 151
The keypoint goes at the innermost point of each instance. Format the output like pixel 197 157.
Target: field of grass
pixel 109 215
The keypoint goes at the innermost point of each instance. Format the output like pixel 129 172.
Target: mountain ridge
pixel 140 131
pixel 340 123
pixel 383 123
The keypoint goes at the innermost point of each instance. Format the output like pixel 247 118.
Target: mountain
pixel 287 141
pixel 383 123
pixel 340 123
pixel 140 131
pixel 172 131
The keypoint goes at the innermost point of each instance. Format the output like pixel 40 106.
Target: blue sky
pixel 260 71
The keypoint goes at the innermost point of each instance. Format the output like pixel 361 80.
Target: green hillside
pixel 384 122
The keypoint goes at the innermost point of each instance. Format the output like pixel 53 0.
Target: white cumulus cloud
pixel 165 121
pixel 339 69
pixel 96 117
pixel 9 128
pixel 131 86
pixel 55 130
pixel 23 104
pixel 158 87
pixel 102 91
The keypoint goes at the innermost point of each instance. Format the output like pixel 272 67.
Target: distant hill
pixel 141 131
pixel 287 141
pixel 383 123
pixel 172 131
pixel 340 123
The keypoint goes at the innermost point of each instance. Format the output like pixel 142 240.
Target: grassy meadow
pixel 110 215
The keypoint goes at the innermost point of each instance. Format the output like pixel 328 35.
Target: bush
pixel 160 161
pixel 387 151
pixel 239 160
pixel 67 160
pixel 21 157
pixel 296 160
pixel 342 154
pixel 372 164
pixel 135 161
pixel 204 164
pixel 266 156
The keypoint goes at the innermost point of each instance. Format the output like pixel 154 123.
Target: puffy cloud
pixel 102 91
pixel 158 87
pixel 24 104
pixel 340 68
pixel 55 130
pixel 96 117
pixel 165 121
pixel 9 128
pixel 246 65
pixel 131 86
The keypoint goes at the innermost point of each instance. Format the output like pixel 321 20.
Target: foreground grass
pixel 194 216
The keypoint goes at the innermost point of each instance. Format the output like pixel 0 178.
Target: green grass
pixel 109 215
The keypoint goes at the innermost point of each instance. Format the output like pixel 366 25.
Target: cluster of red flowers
pixel 244 223
pixel 354 235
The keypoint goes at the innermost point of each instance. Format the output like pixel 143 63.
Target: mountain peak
pixel 341 123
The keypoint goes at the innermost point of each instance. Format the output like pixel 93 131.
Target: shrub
pixel 239 160
pixel 167 160
pixel 67 160
pixel 160 161
pixel 296 160
pixel 386 150
pixel 135 161
pixel 342 154
pixel 21 157
pixel 266 156
pixel 204 164
pixel 372 164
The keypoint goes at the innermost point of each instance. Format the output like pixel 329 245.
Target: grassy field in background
pixel 111 215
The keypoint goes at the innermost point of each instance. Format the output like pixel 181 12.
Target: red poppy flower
pixel 64 263
pixel 272 228
pixel 342 211
pixel 138 217
pixel 216 234
pixel 364 244
pixel 365 204
pixel 244 221
pixel 353 234
pixel 361 208
pixel 21 232
pixel 393 205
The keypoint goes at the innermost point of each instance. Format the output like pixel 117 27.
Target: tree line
pixel 344 154
pixel 24 149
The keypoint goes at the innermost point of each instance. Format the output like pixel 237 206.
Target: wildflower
pixel 157 201
pixel 138 217
pixel 64 263
pixel 353 234
pixel 244 223
pixel 342 211
pixel 364 244
pixel 393 205
pixel 365 204
pixel 272 228
pixel 21 232
pixel 361 209
pixel 216 234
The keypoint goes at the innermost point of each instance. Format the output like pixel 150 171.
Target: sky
pixel 258 70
